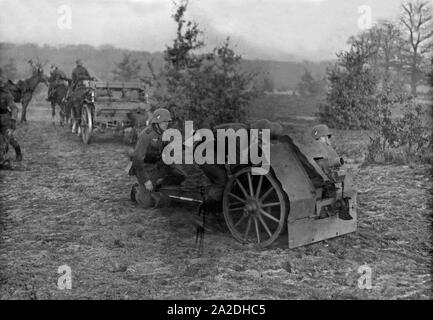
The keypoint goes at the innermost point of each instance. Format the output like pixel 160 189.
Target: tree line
pixel 369 83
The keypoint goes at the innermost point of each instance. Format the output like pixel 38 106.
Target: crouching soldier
pixel 147 164
pixel 8 118
pixel 330 158
pixel 330 162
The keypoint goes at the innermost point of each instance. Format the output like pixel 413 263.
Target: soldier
pixel 330 160
pixel 321 133
pixel 79 74
pixel 147 164
pixel 8 118
pixel 57 77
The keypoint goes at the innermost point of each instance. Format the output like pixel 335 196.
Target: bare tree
pixel 380 46
pixel 417 28
pixel 389 35
pixel 367 44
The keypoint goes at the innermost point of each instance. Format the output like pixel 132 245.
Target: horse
pixel 58 98
pixel 22 91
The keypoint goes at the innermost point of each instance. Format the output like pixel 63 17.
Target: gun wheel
pixel 254 207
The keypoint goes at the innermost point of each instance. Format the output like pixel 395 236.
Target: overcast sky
pixel 262 29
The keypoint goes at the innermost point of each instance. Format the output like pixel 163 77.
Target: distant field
pixel 284 108
pixel 298 110
pixel 289 109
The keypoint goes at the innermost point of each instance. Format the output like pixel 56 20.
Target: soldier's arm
pixel 138 157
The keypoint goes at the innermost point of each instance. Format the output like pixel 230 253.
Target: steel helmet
pixel 321 130
pixel 160 115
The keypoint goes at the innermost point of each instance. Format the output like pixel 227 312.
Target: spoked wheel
pixel 70 119
pixel 254 207
pixel 86 123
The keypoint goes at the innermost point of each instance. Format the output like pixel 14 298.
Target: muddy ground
pixel 68 204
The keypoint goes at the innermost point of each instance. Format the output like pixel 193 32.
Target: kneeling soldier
pixel 331 163
pixel 147 164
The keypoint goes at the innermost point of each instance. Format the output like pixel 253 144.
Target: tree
pixel 368 44
pixel 127 69
pixel 389 35
pixel 207 88
pixel 351 102
pixel 268 85
pixel 417 30
pixel 308 85
pixel 10 69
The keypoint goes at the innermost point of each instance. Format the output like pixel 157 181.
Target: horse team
pixel 67 96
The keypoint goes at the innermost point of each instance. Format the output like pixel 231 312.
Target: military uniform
pixel 147 163
pixel 57 78
pixel 79 74
pixel 327 156
pixel 8 117
pixel 148 166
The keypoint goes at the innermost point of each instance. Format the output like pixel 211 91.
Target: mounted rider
pixel 8 118
pixel 79 74
pixel 147 163
pixel 57 78
pixel 79 90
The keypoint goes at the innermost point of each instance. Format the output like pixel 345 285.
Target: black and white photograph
pixel 233 151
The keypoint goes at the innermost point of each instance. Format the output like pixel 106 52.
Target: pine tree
pixel 207 88
pixel 127 69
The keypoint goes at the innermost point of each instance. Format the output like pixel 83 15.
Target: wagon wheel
pixel 69 114
pixel 254 207
pixel 86 123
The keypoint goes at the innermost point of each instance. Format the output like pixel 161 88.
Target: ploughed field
pixel 68 204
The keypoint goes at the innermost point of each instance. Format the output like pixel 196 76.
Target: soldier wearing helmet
pixel 147 164
pixel 8 118
pixel 323 147
pixel 329 161
pixel 79 90
pixel 322 134
pixel 79 74
pixel 57 78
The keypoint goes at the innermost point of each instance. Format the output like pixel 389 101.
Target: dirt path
pixel 69 204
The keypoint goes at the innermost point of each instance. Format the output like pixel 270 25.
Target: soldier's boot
pixel 134 192
pixel 18 154
pixel 343 209
pixel 344 215
pixel 5 165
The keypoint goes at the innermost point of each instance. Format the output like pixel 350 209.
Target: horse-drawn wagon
pixel 117 106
